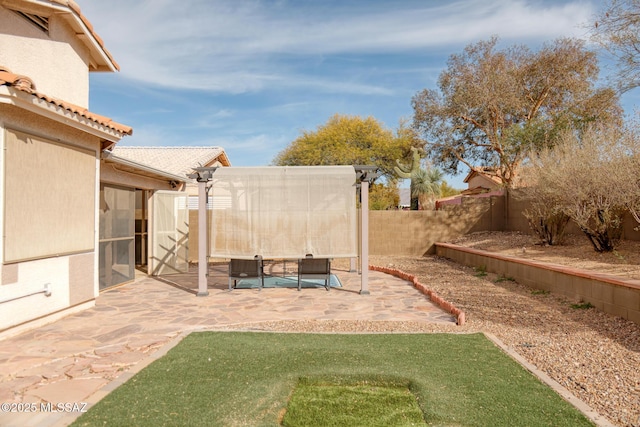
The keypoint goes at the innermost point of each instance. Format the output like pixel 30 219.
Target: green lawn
pixel 248 379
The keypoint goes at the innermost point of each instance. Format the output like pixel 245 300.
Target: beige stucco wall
pixel 411 233
pixel 516 221
pixel 57 63
pixel 414 233
pixel 73 278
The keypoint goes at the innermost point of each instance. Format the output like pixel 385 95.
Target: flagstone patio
pixel 81 357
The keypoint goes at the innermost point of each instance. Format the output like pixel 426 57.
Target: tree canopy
pixel 349 140
pixel 493 107
pixel 617 29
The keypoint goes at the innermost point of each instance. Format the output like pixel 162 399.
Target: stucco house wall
pixel 57 62
pixel 50 154
pixel 480 180
pixel 71 278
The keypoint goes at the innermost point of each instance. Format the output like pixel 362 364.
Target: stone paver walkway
pixel 81 357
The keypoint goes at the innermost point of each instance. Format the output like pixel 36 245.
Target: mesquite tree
pixel 493 107
pixel 617 29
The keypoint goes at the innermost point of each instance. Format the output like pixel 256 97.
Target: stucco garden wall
pixel 415 232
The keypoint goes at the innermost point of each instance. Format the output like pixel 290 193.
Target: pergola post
pixel 365 175
pixel 364 236
pixel 203 176
pixel 202 239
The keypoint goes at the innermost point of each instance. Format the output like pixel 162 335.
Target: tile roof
pixel 176 160
pixel 26 85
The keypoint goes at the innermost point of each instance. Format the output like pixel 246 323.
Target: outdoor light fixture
pixel 203 174
pixel 366 173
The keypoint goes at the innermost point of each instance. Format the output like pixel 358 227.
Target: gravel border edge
pixel 588 412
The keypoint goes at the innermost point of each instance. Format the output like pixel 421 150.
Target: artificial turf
pixel 249 379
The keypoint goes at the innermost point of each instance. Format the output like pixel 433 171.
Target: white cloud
pixel 229 46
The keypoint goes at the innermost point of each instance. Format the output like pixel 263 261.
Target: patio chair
pixel 314 268
pixel 240 269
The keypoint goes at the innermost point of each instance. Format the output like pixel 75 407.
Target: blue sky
pixel 251 75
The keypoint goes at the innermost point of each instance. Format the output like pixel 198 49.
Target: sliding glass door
pixel 117 235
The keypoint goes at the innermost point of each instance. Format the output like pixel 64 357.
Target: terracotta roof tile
pixel 176 160
pixel 25 84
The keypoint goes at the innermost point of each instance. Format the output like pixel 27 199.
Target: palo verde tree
pixel 493 106
pixel 348 140
pixel 617 29
pixel 383 197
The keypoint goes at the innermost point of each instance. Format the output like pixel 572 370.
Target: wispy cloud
pixel 229 46
pixel 251 75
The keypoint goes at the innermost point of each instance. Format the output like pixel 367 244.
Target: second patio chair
pixel 314 268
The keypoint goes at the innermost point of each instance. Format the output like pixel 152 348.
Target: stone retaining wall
pixel 611 294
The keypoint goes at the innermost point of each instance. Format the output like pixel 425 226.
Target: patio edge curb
pixel 434 297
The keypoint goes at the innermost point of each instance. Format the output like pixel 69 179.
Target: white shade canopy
pixel 284 212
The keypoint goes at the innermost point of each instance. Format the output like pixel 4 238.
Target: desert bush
pixel 627 170
pixel 591 177
pixel 545 218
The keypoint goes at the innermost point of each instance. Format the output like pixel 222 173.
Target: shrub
pixel 545 218
pixel 591 177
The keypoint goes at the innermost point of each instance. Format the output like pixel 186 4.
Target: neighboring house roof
pixel 101 58
pixel 175 160
pixel 23 84
pixel 482 172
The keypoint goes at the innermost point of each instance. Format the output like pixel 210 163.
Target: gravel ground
pixel 594 355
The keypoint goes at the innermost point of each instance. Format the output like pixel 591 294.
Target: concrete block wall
pixel 611 294
pixel 414 233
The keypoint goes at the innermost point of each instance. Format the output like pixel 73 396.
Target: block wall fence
pixel 414 233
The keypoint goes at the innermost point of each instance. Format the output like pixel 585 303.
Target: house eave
pixel 100 58
pixel 51 111
pixel 141 169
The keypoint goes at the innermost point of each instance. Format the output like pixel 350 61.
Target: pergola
pixel 283 213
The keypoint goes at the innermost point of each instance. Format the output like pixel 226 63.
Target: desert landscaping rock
pixel 594 355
